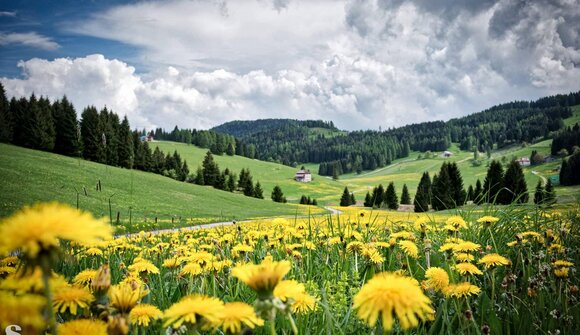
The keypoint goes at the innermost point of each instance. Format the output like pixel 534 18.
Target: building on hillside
pixel 524 161
pixel 447 153
pixel 147 138
pixel 303 176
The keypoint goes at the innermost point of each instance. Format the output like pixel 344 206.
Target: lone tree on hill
pixel 405 198
pixel 258 193
pixel 277 195
pixel 391 199
pixel 515 184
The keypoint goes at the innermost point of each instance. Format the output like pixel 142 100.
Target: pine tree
pixel 199 176
pixel 184 171
pixel 478 193
pixel 303 200
pixel 220 182
pixel 493 183
pixel 6 117
pixel 231 150
pixel 457 192
pixel 67 141
pixel 550 193
pixel 368 200
pixel 44 133
pixel 277 195
pixel 405 198
pixel 314 202
pixel 515 185
pixel 125 149
pixel 258 192
pixel 421 201
pixel 345 198
pixel 91 135
pixel 539 193
pixel 443 190
pixel 391 199
pixel 158 164
pixel 248 185
pixel 232 183
pixel 378 196
pixel 352 199
pixel 210 170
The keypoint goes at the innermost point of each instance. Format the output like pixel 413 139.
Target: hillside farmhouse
pixel 303 176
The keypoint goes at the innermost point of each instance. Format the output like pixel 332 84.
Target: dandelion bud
pixel 573 289
pixel 485 329
pixel 102 280
pixel 117 325
pixel 531 292
pixel 468 314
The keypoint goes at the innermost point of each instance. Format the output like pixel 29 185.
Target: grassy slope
pixel 269 174
pixel 30 176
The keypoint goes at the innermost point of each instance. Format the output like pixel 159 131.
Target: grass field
pixel 30 176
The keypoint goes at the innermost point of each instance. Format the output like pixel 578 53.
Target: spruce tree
pixel 405 198
pixel 470 193
pixel 493 183
pixel 443 190
pixel 258 192
pixel 478 193
pixel 221 181
pixel 421 201
pixel 199 176
pixel 44 133
pixel 125 149
pixel 352 199
pixel 6 118
pixel 550 193
pixel 391 200
pixel 91 135
pixel 368 200
pixel 158 164
pixel 232 183
pixel 277 195
pixel 231 150
pixel 248 185
pixel 67 141
pixel 457 191
pixel 303 200
pixel 539 193
pixel 378 196
pixel 345 198
pixel 314 202
pixel 210 169
pixel 515 185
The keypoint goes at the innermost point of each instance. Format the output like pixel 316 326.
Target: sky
pixel 362 64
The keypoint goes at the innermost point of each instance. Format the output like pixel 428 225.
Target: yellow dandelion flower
pixel 466 246
pixel 82 327
pixel 354 246
pixel 461 290
pixel 41 227
pixel 171 263
pixel 561 272
pixel 464 257
pixel 6 270
pixel 491 260
pixel 124 296
pixel 387 294
pixel 262 277
pixel 447 247
pixel 437 278
pixel 488 219
pixel 556 248
pixel 191 269
pixel 241 249
pixel 23 310
pixel 373 255
pixel 303 303
pixel 143 314
pixel 467 269
pixel 71 298
pixel 9 261
pixel 236 316
pixel 288 289
pixel 562 263
pixel 144 266
pixel 93 252
pixel 196 310
pixel 456 222
pixel 85 277
pixel 409 248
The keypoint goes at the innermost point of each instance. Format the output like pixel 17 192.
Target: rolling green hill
pixel 268 174
pixel 30 176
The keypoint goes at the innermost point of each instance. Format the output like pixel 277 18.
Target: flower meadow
pixel 498 270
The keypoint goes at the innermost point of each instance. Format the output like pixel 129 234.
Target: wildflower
pixel 466 246
pixel 556 248
pixel 94 252
pixel 288 289
pixel 561 272
pixel 491 260
pixel 23 310
pixel 387 294
pixel 144 266
pixel 39 228
pixel 487 219
pixel 195 310
pixel 461 290
pixel 6 270
pixel 83 326
pixel 437 278
pixel 241 249
pixel 456 222
pixel 409 248
pixel 447 247
pixel 464 257
pixel 143 314
pixel 468 268
pixel 102 280
pixel 71 298
pixel 262 277
pixel 171 263
pixel 237 315
pixel 85 277
pixel 191 269
pixel 562 263
pixel 124 297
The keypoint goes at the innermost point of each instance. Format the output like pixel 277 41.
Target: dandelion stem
pixel 293 324
pixel 48 294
